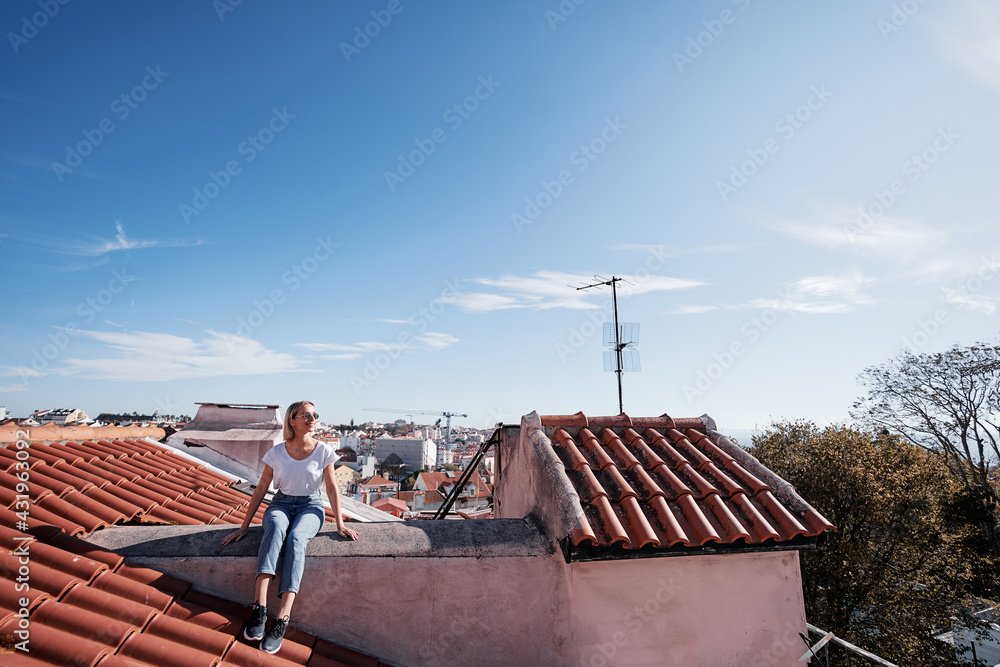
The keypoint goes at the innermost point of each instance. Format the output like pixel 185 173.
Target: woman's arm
pixel 334 493
pixel 255 500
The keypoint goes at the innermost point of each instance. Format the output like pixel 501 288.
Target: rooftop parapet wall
pixel 233 438
pixel 533 480
pixel 475 592
pixel 213 416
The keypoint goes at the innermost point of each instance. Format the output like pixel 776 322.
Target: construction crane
pixel 447 415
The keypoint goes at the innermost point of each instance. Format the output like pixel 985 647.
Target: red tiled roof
pixel 663 482
pixel 441 481
pixel 10 432
pixel 80 487
pixel 431 496
pixel 390 505
pixel 88 606
pixel 377 480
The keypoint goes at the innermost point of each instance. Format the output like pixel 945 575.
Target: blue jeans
pixel 289 523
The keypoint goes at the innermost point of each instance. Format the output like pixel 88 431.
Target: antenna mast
pixel 619 337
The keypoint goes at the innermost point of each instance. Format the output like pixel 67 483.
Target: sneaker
pixel 254 628
pixel 272 642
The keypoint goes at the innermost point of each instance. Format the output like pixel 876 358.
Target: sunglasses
pixel 307 415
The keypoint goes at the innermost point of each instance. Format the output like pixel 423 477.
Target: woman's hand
pixel 349 533
pixel 234 537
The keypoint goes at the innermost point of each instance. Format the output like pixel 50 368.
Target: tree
pixel 894 573
pixel 947 403
pixel 408 482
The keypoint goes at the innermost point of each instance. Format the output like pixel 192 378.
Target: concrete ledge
pixel 416 593
pixel 398 539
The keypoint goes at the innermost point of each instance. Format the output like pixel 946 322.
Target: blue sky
pixel 389 204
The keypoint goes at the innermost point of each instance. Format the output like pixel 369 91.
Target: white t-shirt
pixel 299 478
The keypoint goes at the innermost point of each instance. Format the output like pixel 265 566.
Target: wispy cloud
pixel 549 289
pixel 436 341
pixel 103 247
pixel 368 346
pixel 887 237
pixel 829 294
pixel 42 163
pixel 143 356
pixel 691 310
pixel 917 252
pixel 671 252
pixel 429 340
pixel 980 303
pixel 969 32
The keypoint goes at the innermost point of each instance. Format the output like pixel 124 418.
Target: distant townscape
pixel 402 468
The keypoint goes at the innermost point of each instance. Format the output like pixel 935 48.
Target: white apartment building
pixel 416 453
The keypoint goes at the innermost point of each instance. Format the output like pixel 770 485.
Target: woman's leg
pixel 277 519
pixel 304 526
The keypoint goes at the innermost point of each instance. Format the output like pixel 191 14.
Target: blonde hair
pixel 289 430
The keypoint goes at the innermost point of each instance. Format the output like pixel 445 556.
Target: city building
pixel 61 417
pixel 416 453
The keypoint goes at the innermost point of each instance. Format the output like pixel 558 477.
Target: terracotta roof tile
pixel 133 616
pixel 622 457
pixel 156 650
pixel 83 548
pixel 247 656
pixel 174 629
pixel 52 646
pixel 83 622
pixel 84 569
pixel 663 482
pixel 88 604
pixel 108 604
pixel 67 510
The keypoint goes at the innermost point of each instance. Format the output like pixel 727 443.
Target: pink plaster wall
pixel 739 610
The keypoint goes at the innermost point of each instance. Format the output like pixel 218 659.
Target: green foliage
pixel 408 482
pixel 899 565
pixel 948 403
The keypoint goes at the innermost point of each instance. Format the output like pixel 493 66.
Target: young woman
pixel 296 467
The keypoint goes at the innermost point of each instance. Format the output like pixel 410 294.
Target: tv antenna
pixel 620 337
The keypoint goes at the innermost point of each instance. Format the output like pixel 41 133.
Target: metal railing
pixel 820 651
